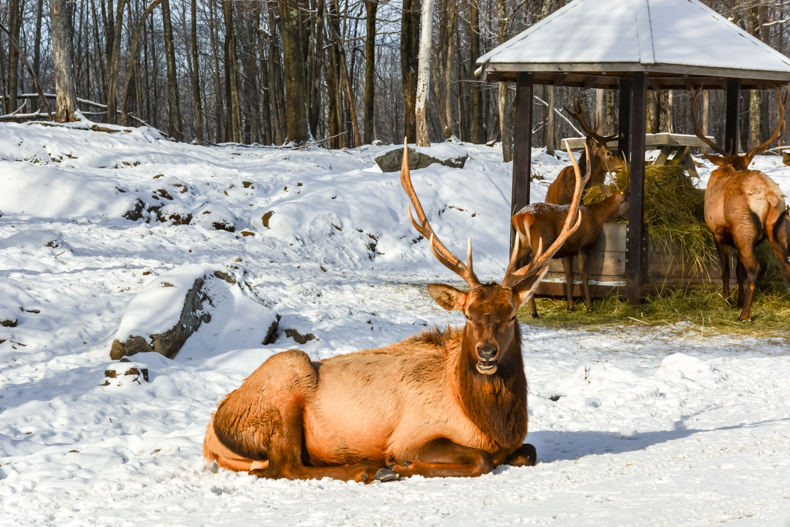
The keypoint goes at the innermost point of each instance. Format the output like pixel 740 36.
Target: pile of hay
pixel 674 214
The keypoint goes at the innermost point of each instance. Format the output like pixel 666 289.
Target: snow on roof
pixel 663 36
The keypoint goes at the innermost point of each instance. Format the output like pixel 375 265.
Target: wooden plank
pixel 653 140
pixel 600 263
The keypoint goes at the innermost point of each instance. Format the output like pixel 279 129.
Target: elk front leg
pixel 443 458
pixel 585 273
pixel 567 263
pixel 533 309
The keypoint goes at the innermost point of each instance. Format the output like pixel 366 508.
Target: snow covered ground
pixel 632 426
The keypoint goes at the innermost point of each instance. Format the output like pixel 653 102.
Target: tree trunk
pixel 705 116
pixel 665 101
pixel 423 73
pixel 550 134
pixel 174 111
pixel 133 46
pixel 410 20
pixel 504 115
pixel 14 24
pixel 445 53
pixel 219 114
pixel 275 82
pixel 233 117
pixel 65 100
pixel 370 67
pixel 37 39
pixel 344 76
pixel 296 116
pixel 477 134
pixel 114 63
pixel 316 68
pixel 196 74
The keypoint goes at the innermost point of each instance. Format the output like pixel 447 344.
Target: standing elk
pixel 742 208
pixel 538 224
pixel 600 158
pixel 447 402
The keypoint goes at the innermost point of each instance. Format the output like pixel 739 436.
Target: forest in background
pixel 339 73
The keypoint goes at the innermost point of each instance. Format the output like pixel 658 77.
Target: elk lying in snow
pixel 597 155
pixel 442 403
pixel 539 224
pixel 742 208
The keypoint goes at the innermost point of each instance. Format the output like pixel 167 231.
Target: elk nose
pixel 486 351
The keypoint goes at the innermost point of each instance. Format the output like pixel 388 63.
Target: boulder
pixel 391 161
pixel 168 342
pixel 172 307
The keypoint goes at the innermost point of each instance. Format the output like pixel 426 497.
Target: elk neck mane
pixel 497 403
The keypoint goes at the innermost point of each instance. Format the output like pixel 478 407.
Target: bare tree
pixel 370 66
pixel 296 116
pixel 423 73
pixel 65 99
pixel 174 111
pixel 195 72
pixel 410 20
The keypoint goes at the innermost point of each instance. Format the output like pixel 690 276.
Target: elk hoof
pixel 386 474
pixel 534 315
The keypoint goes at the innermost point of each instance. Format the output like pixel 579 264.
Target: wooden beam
pixel 733 111
pixel 522 147
pixel 624 119
pixel 636 240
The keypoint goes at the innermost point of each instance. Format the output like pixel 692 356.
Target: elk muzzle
pixel 486 358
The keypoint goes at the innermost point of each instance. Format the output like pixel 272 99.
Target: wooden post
pixel 624 116
pixel 733 110
pixel 636 239
pixel 522 147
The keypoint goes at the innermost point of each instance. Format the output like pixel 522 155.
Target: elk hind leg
pixel 723 251
pixel 751 268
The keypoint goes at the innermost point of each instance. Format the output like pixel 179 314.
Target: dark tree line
pixel 341 73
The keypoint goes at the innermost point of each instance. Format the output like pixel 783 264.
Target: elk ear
pixel 716 160
pixel 448 297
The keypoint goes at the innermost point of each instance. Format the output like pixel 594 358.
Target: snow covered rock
pixel 175 305
pixel 446 155
pixel 164 314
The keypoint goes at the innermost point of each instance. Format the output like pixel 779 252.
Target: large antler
pixel 442 253
pixel 697 131
pixel 780 126
pixel 578 113
pixel 542 259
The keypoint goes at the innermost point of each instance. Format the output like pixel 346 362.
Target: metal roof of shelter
pixel 677 43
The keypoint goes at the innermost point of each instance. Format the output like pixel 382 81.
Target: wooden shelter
pixel 632 46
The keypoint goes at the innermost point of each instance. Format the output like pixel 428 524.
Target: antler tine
pixel 578 113
pixel 572 222
pixel 513 258
pixel 779 130
pixel 697 132
pixel 442 253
